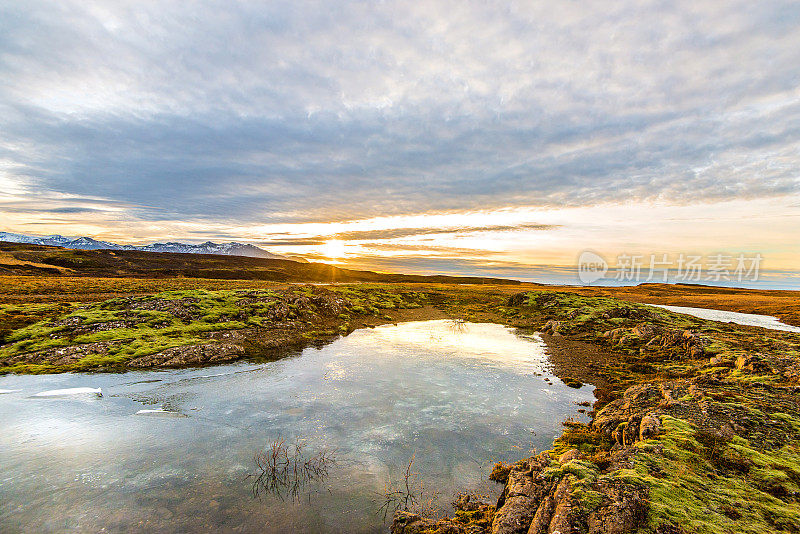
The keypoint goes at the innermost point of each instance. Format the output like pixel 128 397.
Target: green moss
pixel 581 437
pixel 139 326
pixel 587 498
pixel 471 517
pixel 582 470
pixel 687 488
pixel 794 422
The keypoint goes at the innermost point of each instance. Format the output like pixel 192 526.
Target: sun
pixel 334 249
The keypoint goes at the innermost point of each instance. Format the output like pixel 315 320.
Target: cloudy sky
pixel 417 136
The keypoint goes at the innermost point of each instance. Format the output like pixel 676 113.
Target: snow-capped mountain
pixel 54 240
pixel 87 243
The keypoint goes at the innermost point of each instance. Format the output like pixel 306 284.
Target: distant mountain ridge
pixel 87 243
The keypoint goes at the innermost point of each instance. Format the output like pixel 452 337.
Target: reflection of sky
pixel 480 341
pixel 764 321
pixel 455 398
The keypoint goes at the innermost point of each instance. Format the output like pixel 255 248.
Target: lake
pixel 455 397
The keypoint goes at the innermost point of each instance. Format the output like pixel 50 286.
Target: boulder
pixel 649 427
pixel 751 363
pixel 553 327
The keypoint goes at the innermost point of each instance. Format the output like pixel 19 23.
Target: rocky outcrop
pixel 542 496
pixel 649 338
pixel 411 523
pixel 623 418
pixel 473 516
pixel 523 494
pixel 554 328
pixel 61 355
pixel 190 355
pixel 627 312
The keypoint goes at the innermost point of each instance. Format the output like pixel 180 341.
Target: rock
pixel 500 472
pixel 561 520
pixel 190 355
pixel 637 399
pixel 468 502
pixel 411 523
pixel 624 311
pixel 406 523
pixel 572 382
pixel 553 327
pixel 519 504
pixel 521 496
pixel 751 363
pixel 631 431
pixel 572 454
pixel 541 520
pixel 538 498
pixel 646 331
pixel 649 427
pixel 624 509
pixel 614 334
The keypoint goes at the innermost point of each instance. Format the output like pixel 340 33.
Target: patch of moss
pixel 142 325
pixel 697 495
pixel 581 437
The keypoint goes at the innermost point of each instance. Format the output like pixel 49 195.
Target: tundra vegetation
pixel 696 426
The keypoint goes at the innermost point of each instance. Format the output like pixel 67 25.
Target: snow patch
pixel 70 391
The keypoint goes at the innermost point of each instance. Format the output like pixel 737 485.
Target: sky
pixel 454 137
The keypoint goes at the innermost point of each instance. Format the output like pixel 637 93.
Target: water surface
pixel 455 397
pixel 747 319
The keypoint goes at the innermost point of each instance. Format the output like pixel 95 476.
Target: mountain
pixel 87 243
pixel 22 259
pixel 52 240
pixel 209 247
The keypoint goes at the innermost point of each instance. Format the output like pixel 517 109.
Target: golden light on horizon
pixel 334 249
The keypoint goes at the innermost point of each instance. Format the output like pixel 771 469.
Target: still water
pixel 171 451
pixel 748 319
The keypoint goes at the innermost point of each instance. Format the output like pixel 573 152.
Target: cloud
pixel 292 242
pixel 303 111
pixel 392 233
pixel 64 210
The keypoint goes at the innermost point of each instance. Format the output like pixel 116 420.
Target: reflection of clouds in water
pixel 334 370
pixel 482 341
